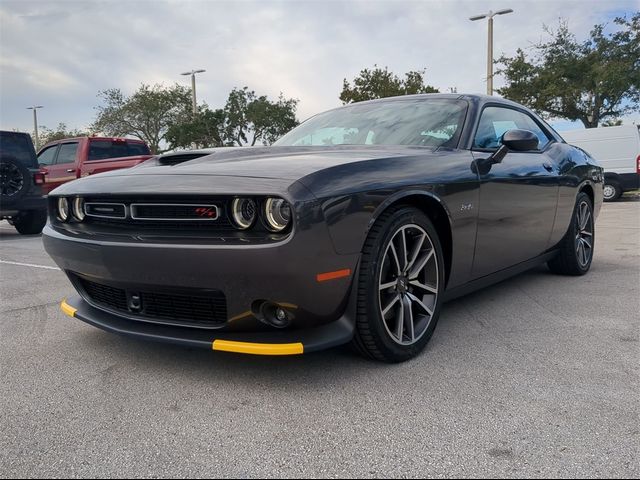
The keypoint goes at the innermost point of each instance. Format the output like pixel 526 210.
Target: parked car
pixel 617 149
pixel 21 199
pixel 71 158
pixel 355 226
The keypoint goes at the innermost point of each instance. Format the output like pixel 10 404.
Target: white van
pixel 618 151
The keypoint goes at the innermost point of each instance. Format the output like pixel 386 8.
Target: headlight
pixel 63 209
pixel 243 212
pixel 78 208
pixel 277 214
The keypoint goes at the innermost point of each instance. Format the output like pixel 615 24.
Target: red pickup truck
pixel 65 160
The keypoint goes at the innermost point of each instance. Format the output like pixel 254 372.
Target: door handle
pixel 547 166
pixel 71 170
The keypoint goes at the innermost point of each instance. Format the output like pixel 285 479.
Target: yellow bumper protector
pixel 258 348
pixel 68 309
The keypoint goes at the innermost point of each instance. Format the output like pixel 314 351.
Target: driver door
pixel 518 197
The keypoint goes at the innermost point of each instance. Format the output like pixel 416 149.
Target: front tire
pixel 576 248
pixel 399 287
pixel 30 222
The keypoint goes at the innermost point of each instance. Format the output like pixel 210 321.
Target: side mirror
pixel 520 140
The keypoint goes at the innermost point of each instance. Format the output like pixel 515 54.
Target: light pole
pixel 35 122
pixel 490 16
pixel 193 87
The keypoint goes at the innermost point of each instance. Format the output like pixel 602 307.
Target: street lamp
pixel 35 122
pixel 193 87
pixel 490 16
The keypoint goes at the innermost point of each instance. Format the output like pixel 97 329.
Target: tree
pixel 380 83
pixel 46 135
pixel 147 114
pixel 590 81
pixel 250 119
pixel 616 122
pixel 205 130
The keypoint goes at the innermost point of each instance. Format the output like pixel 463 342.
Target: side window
pixel 47 156
pixel 134 149
pixel 99 149
pixel 67 153
pixel 107 149
pixel 495 121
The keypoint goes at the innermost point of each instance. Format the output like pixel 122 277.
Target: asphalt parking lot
pixel 534 377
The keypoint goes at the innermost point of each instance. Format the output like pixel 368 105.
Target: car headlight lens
pixel 78 208
pixel 63 209
pixel 277 213
pixel 243 211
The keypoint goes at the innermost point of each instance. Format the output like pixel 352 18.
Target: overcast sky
pixel 59 54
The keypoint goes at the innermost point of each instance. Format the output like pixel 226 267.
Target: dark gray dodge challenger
pixel 353 227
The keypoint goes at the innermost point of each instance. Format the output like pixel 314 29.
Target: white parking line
pixel 29 265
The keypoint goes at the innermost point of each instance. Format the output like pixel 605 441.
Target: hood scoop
pixel 175 159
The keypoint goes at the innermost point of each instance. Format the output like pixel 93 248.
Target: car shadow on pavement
pixel 8 232
pixel 4 236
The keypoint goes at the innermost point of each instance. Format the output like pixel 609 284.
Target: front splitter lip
pixel 293 342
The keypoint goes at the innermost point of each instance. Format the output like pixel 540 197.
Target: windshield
pixel 424 122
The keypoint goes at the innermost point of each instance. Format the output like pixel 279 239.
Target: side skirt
pixel 496 277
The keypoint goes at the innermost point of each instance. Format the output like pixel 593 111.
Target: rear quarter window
pixel 107 149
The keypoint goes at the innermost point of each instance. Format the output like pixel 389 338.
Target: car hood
pixel 259 170
pixel 287 163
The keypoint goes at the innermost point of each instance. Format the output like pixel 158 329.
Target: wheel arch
pixel 588 189
pixel 432 207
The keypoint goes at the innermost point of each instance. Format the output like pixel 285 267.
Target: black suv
pixel 21 198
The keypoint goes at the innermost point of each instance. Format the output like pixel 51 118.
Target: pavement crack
pixel 534 300
pixel 13 310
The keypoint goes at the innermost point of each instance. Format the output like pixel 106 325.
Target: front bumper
pixel 287 273
pixel 265 343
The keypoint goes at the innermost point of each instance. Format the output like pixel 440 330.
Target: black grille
pixel 105 295
pixel 155 226
pixel 106 210
pixel 203 309
pixel 158 214
pixel 198 212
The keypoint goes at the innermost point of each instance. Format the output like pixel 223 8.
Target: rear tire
pixel 612 191
pixel 30 222
pixel 399 287
pixel 576 248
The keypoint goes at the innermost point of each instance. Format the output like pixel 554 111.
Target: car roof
pixel 9 132
pixel 62 140
pixel 476 99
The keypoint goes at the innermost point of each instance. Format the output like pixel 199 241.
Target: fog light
pixel 274 315
pixel 281 314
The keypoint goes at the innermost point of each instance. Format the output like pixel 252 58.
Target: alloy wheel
pixel 584 234
pixel 408 284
